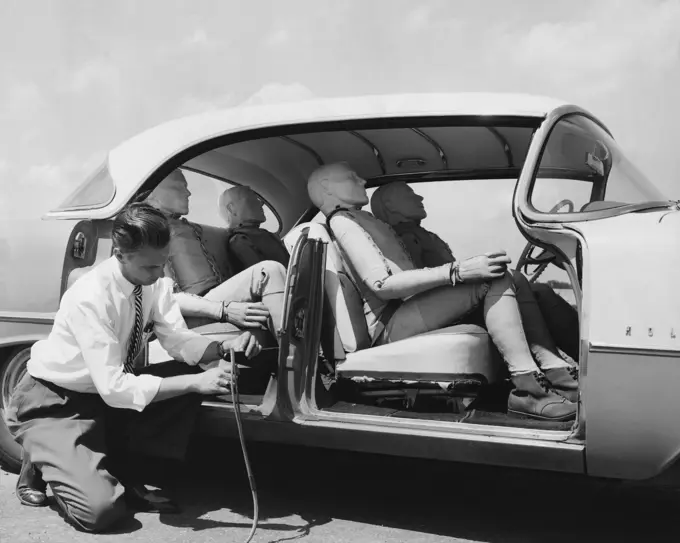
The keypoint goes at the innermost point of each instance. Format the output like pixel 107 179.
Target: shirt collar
pixel 125 286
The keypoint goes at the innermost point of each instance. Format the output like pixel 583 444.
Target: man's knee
pixel 97 512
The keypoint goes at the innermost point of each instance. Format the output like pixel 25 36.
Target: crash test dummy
pixel 399 206
pixel 250 299
pixel 248 243
pixel 401 301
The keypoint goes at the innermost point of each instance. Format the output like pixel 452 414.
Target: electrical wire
pixel 237 409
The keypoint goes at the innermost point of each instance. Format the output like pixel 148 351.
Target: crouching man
pixel 85 412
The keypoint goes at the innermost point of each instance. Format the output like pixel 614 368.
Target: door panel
pixel 88 245
pixel 301 326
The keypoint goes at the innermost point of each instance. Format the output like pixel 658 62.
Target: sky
pixel 79 77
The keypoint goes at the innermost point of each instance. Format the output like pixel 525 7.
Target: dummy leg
pixel 538 336
pixel 263 282
pixel 534 396
pixel 560 318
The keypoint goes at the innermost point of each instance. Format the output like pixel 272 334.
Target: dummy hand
pixel 484 267
pixel 246 343
pixel 246 314
pixel 215 380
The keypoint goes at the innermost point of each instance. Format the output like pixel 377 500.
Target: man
pixel 400 207
pixel 401 301
pixel 250 299
pixel 85 411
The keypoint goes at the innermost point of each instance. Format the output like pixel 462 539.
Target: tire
pixel 12 370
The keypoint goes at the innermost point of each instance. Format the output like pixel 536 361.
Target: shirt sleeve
pixel 361 251
pixel 171 329
pixel 103 355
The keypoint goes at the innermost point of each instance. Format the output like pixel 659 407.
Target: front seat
pixel 452 357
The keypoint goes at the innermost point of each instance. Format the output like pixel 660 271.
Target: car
pixel 495 170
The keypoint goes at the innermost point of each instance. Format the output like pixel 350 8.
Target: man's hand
pixel 214 381
pixel 246 343
pixel 488 266
pixel 246 314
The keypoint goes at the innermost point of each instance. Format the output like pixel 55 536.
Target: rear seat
pixel 451 356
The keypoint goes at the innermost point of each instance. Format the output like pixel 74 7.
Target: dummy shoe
pixel 564 381
pixel 534 397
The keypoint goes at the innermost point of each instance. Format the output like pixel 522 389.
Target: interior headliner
pixel 278 167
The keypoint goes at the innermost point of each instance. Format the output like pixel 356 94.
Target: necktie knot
pixel 137 290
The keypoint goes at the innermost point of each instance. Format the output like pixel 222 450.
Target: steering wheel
pixel 544 259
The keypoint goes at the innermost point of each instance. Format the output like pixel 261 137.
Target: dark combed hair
pixel 140 225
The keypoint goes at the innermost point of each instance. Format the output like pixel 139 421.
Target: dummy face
pixel 172 195
pixel 336 186
pixel 143 267
pixel 405 203
pixel 242 207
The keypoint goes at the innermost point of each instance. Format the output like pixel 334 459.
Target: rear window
pixel 96 191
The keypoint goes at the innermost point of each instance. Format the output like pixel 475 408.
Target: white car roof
pixel 131 162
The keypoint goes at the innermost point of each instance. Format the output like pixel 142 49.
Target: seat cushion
pixel 456 353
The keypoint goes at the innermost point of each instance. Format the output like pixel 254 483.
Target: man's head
pixel 141 238
pixel 396 202
pixel 240 206
pixel 171 195
pixel 336 185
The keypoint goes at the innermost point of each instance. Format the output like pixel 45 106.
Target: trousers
pixel 84 448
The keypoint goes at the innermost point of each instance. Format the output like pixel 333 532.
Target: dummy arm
pixel 374 271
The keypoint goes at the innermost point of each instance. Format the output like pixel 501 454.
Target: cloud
pixel 63 175
pixel 197 38
pixel 100 72
pixel 276 93
pixel 22 101
pixel 190 105
pixel 278 37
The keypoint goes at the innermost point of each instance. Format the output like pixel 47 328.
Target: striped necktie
pixel 136 336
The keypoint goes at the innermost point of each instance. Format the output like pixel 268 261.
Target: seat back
pixel 345 301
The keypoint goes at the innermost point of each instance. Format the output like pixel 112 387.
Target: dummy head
pixel 336 186
pixel 171 196
pixel 396 202
pixel 240 206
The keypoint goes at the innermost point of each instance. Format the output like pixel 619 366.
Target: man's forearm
pixel 412 282
pixel 194 306
pixel 171 387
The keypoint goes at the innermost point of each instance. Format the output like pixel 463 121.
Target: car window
pixel 581 162
pixel 203 207
pixel 96 191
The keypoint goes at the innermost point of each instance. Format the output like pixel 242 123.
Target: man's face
pixel 143 267
pixel 407 203
pixel 348 187
pixel 172 194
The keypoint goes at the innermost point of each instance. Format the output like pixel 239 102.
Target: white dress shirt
pixel 87 346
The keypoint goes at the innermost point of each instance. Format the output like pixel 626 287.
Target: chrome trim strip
pixel 304 147
pixel 375 150
pixel 432 141
pixel 625 350
pixel 25 317
pixel 504 142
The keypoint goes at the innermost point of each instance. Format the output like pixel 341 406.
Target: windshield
pixel 582 169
